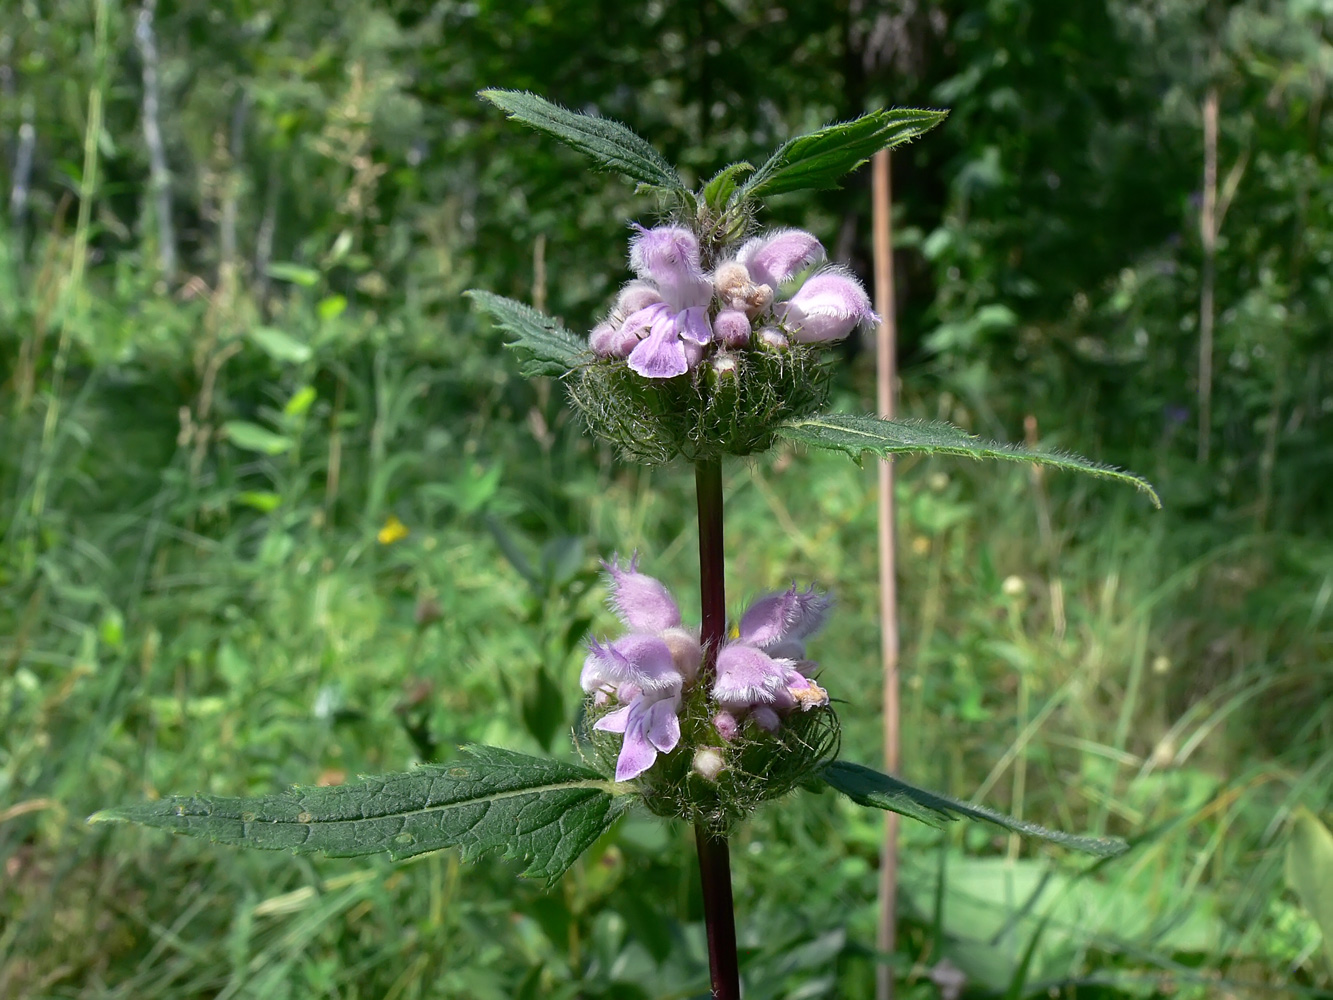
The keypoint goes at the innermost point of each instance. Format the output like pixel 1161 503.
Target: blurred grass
pixel 251 563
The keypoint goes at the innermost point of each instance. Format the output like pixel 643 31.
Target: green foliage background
pixel 201 452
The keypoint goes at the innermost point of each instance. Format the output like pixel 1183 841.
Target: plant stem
pixel 714 861
pixel 719 914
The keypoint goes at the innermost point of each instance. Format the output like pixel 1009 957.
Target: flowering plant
pixel 713 349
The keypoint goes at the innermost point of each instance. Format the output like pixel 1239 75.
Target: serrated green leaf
pixel 545 812
pixel 1309 870
pixel 719 189
pixel 252 437
pixel 608 143
pixel 821 158
pixel 855 434
pixel 545 347
pixel 868 787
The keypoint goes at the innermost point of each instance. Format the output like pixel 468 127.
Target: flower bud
pixel 708 762
pixel 827 307
pixel 779 256
pixel 609 340
pixel 732 328
pixel 726 725
pixel 772 337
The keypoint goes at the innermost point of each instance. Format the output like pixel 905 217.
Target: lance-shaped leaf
pixel 855 435
pixel 608 143
pixel 820 159
pixel 544 346
pixel 544 812
pixel 869 787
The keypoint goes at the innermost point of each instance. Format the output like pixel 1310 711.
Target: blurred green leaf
pixel 543 708
pixel 306 277
pixel 332 307
pixel 855 435
pixel 280 346
pixel 869 787
pixel 261 500
pixel 300 402
pixel 252 437
pixel 1309 867
pixel 543 812
pixel 609 144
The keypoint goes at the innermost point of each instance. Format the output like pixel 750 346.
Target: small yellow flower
pixel 394 530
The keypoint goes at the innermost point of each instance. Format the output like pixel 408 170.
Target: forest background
pixel 276 507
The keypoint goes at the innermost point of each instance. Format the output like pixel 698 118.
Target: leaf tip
pixel 106 816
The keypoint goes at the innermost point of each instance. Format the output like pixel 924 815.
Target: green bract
pixel 757 766
pixel 733 405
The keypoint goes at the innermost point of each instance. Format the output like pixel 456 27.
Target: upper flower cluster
pixel 665 321
pixel 762 674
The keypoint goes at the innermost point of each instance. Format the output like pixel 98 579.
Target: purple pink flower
pixel 643 671
pixel 641 677
pixel 665 321
pixel 763 673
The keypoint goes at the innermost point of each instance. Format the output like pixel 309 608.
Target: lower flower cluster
pixel 643 678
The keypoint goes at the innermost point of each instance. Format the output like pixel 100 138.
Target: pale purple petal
pixel 641 321
pixel 827 307
pixel 692 325
pixel 669 257
pixel 790 615
pixel 661 354
pixel 642 660
pixel 641 601
pixel 661 725
pixel 686 653
pixel 766 719
pixel 776 257
pixel 732 328
pixel 614 722
pixel 694 353
pixel 746 677
pixel 636 755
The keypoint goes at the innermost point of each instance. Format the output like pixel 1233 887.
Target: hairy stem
pixel 714 860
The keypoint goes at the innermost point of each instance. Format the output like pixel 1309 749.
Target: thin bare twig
pixel 886 375
pixel 1208 235
pixel 159 175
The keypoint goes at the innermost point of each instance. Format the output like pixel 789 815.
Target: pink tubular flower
pixel 827 307
pixel 779 256
pixel 762 673
pixel 644 671
pixel 671 330
pixel 609 338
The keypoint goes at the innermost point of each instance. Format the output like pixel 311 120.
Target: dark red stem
pixel 714 860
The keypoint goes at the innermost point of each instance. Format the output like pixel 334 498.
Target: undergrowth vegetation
pixel 288 515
